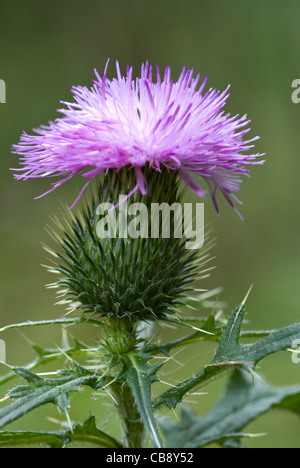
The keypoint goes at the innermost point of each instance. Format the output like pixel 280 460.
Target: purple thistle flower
pixel 134 123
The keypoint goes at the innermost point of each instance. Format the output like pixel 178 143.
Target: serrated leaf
pixel 139 376
pixel 41 391
pixel 90 433
pixel 245 399
pixel 207 325
pixel 45 356
pixel 20 438
pixel 231 353
pixel 87 432
pixel 231 350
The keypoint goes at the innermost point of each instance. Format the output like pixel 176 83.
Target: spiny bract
pixel 143 278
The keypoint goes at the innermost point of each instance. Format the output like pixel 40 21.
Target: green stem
pixel 121 338
pixel 132 425
pixel 120 335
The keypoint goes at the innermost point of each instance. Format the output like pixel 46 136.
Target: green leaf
pixel 41 391
pixel 246 398
pixel 45 356
pixel 210 331
pixel 20 438
pixel 231 353
pixel 233 443
pixel 139 376
pixel 88 433
pixel 60 321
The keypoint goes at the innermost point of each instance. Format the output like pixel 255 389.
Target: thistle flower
pixel 136 123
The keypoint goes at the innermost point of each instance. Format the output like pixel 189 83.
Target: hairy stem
pixel 121 338
pixel 132 425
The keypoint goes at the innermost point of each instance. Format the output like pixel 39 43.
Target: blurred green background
pixel 46 47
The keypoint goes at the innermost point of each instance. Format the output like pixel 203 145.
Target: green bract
pixel 141 279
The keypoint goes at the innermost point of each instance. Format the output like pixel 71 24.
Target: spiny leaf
pixel 207 325
pixel 20 438
pixel 139 376
pixel 60 321
pixel 41 391
pixel 246 398
pixel 87 432
pixel 45 356
pixel 231 353
pixel 230 338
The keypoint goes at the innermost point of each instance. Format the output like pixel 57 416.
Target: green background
pixel 46 47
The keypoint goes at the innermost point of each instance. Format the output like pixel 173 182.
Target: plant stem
pixel 121 338
pixel 133 427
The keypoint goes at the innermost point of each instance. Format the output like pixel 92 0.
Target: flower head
pixel 136 123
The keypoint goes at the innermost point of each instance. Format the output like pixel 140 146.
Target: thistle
pixel 138 140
